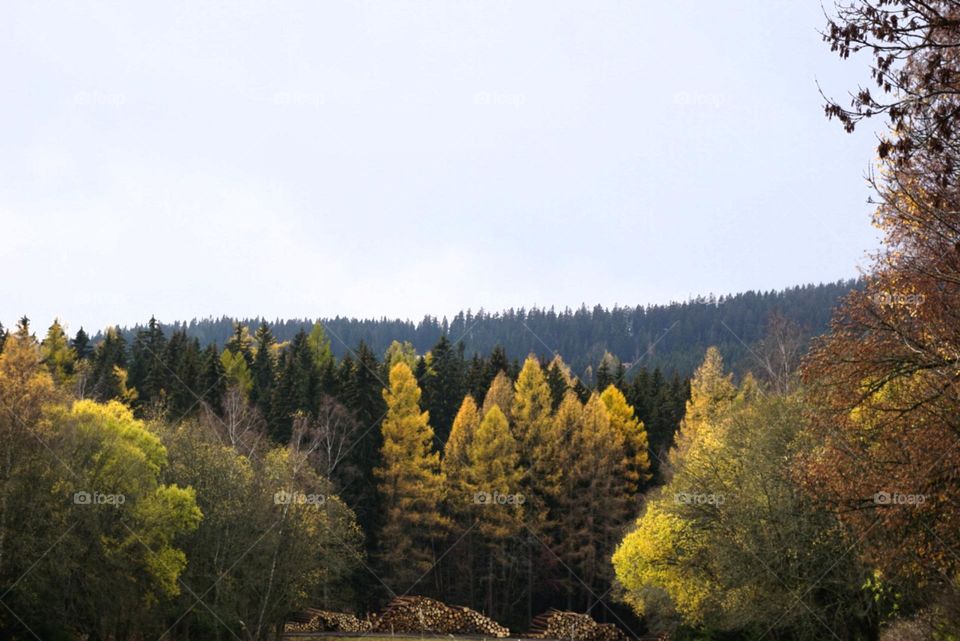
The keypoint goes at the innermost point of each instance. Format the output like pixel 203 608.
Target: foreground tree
pixel 885 380
pixel 730 545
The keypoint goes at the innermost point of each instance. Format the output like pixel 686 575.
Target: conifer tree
pixel 444 390
pixel 531 408
pixel 297 386
pixel 411 485
pixel 213 383
pixel 494 477
pixel 711 393
pixel 624 421
pixel 559 379
pixel 57 355
pixel 400 352
pixel 534 431
pixel 594 499
pixel 461 435
pixel 240 343
pixel 459 564
pixel 324 363
pixel 500 393
pixel 498 362
pixel 109 366
pixel 149 375
pixel 3 337
pixel 183 361
pixel 263 370
pixel 80 343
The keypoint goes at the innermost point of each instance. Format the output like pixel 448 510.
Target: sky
pixel 369 159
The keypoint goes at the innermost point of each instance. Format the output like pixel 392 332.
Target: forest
pixel 733 469
pixel 670 337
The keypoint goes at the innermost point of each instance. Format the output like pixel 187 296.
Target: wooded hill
pixel 672 337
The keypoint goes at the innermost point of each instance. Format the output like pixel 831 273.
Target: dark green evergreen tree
pixel 109 356
pixel 81 345
pixel 148 372
pixel 443 391
pixel 213 384
pixel 263 371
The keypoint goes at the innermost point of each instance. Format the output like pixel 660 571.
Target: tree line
pixel 671 337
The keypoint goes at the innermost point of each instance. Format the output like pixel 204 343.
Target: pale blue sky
pixel 401 158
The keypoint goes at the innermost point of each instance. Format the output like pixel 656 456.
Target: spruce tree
pixel 262 371
pixel 444 389
pixel 149 375
pixel 213 383
pixel 559 379
pixel 411 485
pixel 81 345
pixel 109 366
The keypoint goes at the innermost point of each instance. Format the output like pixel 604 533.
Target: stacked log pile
pixel 419 614
pixel 313 620
pixel 573 626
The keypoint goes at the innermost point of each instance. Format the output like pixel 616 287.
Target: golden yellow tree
pixel 411 484
pixel 634 435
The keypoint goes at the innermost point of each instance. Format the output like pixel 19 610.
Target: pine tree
pixel 57 355
pixel 3 337
pixel 411 485
pixel 636 448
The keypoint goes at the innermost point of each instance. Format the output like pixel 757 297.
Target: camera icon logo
pixel 482 498
pixel 82 498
